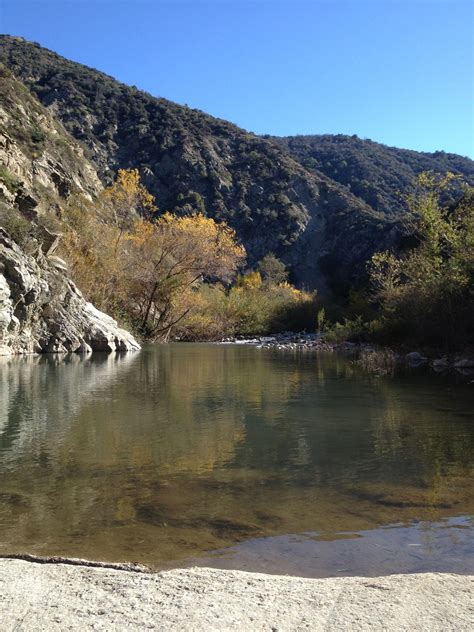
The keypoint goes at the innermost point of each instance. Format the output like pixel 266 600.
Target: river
pixel 236 457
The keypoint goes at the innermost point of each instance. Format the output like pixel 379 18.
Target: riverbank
pixel 375 359
pixel 57 597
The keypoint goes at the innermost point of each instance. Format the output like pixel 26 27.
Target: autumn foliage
pixel 135 266
pixel 164 259
pixel 173 275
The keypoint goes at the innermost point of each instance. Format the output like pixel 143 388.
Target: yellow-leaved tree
pixel 126 200
pixel 164 259
pixel 134 265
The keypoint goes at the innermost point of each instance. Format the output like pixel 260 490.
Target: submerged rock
pixel 464 363
pixel 414 359
pixel 440 364
pixel 42 311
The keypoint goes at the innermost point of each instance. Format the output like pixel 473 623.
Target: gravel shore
pixel 58 597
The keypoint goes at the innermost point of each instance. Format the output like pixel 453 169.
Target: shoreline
pixel 59 596
pixel 373 358
pixel 377 359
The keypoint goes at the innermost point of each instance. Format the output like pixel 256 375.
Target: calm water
pixel 236 457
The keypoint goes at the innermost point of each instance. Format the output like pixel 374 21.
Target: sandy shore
pixel 58 597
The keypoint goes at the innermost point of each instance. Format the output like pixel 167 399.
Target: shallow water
pixel 237 457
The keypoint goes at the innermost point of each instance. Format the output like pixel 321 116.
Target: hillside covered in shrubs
pixel 375 173
pixel 323 219
pixel 177 223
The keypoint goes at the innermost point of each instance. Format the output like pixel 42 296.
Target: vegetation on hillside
pixel 173 275
pixel 309 211
pixel 187 159
pixel 427 293
pixel 192 162
pixel 423 295
pixel 379 175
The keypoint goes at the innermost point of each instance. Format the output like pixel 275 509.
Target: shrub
pixel 19 229
pixel 427 293
pixel 272 270
pixel 9 180
pixel 246 308
pixel 354 330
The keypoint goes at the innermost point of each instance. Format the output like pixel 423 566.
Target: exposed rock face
pixel 41 165
pixel 41 310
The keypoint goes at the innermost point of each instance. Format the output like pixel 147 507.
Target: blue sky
pixel 396 71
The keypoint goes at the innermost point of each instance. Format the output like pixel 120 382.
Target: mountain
pixel 278 196
pixel 373 172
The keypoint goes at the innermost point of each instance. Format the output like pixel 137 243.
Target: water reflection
pixel 182 449
pixel 419 548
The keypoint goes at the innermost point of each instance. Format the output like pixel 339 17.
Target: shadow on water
pixel 235 456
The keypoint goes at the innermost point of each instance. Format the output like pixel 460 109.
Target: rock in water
pixel 42 311
pixel 415 359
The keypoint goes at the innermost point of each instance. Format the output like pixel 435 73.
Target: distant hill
pixel 322 204
pixel 373 172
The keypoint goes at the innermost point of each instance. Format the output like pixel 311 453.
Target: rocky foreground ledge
pixel 42 311
pixel 58 597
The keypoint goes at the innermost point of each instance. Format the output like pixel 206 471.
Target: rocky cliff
pixel 41 310
pixel 41 165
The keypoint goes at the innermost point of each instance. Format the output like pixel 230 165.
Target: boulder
pixel 49 240
pixel 415 359
pixel 464 363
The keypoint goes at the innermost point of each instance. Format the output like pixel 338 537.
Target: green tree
pixel 428 293
pixel 272 270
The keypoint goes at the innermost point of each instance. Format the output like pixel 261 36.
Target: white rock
pixel 41 310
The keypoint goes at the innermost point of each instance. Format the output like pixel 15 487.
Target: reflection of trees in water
pixel 220 441
pixel 424 429
pixel 40 395
pixel 193 408
pixel 369 428
pixel 424 440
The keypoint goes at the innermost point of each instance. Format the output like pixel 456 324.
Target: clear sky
pixel 396 71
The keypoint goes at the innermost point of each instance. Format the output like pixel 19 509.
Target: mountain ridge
pixel 306 214
pixel 357 163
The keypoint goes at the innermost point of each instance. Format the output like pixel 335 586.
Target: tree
pixel 167 257
pixel 126 199
pixel 428 292
pixel 88 247
pixel 273 270
pixel 251 280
